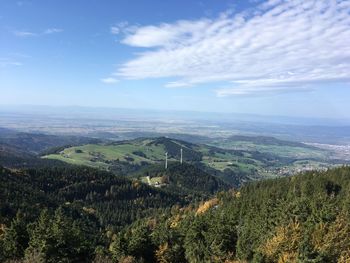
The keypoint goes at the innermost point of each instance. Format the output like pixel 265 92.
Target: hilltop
pixel 182 178
pixel 236 163
pixel 79 189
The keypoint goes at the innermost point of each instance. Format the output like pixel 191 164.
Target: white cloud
pixel 261 88
pixel 115 30
pixel 178 84
pixel 24 34
pixel 121 27
pixel 52 31
pixel 109 80
pixel 281 45
pixel 7 62
pixel 48 31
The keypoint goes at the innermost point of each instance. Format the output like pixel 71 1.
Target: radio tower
pixel 181 156
pixel 166 160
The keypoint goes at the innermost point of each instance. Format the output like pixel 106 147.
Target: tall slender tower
pixel 166 160
pixel 181 156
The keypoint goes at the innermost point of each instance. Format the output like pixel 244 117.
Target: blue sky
pixel 267 57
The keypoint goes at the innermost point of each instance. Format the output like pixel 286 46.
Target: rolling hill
pixel 15 157
pixel 36 143
pixel 21 149
pixel 234 165
pixel 112 200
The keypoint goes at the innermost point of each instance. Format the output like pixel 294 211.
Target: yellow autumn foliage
pixel 333 238
pixel 282 245
pixel 207 205
pixel 175 221
pixel 344 256
pixel 89 210
pixel 161 253
pixel 288 257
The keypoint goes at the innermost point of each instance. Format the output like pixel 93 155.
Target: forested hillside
pixel 21 149
pixel 36 143
pixel 15 157
pixel 81 215
pixel 304 218
pixel 114 201
pixel 78 207
pixel 182 178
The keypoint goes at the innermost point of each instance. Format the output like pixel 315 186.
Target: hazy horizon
pixel 104 112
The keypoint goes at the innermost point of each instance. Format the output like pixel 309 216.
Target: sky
pixel 273 57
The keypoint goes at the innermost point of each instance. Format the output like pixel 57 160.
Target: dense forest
pixel 187 179
pixel 78 214
pixel 304 218
pixel 37 143
pixel 114 201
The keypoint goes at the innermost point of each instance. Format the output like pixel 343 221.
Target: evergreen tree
pixel 15 239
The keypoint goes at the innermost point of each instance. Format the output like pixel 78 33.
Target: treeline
pixel 61 215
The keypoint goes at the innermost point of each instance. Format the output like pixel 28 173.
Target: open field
pixel 286 151
pixel 239 158
pixel 99 155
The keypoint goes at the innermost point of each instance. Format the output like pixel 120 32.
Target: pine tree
pixel 15 239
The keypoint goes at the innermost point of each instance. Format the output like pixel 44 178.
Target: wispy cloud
pixel 7 62
pixel 121 27
pixel 24 34
pixel 48 31
pixel 52 31
pixel 279 46
pixel 263 89
pixel 109 80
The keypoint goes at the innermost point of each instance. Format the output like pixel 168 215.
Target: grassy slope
pixel 96 155
pixel 109 152
pixel 240 157
pixel 281 150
